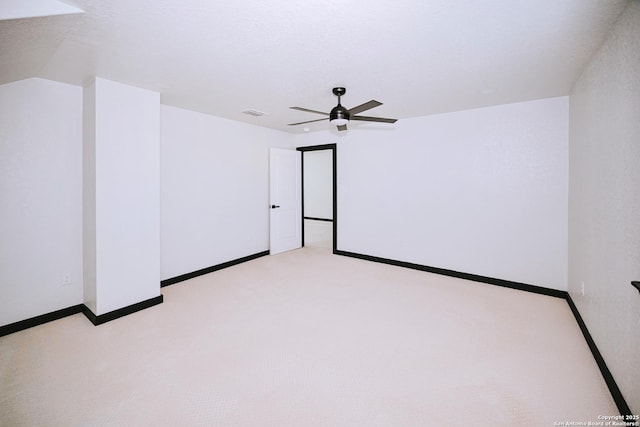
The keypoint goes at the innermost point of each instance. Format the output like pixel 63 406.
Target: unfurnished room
pixel 337 213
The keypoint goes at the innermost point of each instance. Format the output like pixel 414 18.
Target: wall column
pixel 121 197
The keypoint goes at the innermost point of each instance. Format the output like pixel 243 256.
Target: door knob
pixel 275 206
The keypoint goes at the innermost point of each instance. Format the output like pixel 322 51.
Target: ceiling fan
pixel 340 116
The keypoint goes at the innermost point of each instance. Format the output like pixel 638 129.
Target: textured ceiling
pixel 14 9
pixel 418 57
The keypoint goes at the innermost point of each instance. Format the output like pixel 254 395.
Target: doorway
pixel 319 196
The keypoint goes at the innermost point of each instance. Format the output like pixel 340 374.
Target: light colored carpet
pixel 306 338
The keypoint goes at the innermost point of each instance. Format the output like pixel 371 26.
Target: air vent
pixel 254 113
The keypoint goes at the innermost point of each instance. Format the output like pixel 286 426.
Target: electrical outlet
pixel 582 288
pixel 66 279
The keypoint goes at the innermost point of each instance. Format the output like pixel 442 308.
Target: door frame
pixel 333 148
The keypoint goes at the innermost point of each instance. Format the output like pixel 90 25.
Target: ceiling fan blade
pixel 373 119
pixel 308 121
pixel 308 110
pixel 364 107
pixel 342 127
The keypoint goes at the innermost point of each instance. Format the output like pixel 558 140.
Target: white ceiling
pixel 14 9
pixel 418 57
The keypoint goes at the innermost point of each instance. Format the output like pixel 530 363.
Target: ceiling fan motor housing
pixel 339 112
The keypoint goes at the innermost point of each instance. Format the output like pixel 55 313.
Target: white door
pixel 285 195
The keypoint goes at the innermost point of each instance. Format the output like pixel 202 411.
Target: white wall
pixel 214 190
pixel 318 184
pixel 481 191
pixel 604 207
pixel 126 148
pixel 40 198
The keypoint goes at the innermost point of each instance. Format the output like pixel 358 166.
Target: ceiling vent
pixel 254 113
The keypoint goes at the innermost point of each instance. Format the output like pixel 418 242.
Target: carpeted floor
pixel 306 338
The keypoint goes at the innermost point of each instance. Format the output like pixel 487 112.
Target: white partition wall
pixel 121 196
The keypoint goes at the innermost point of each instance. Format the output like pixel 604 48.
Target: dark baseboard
pixel 604 370
pixel 75 309
pixel 476 278
pixel 39 320
pixel 103 318
pixel 121 312
pixel 211 269
pixel 318 219
pixel 606 373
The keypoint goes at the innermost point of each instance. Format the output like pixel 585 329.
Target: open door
pixel 285 206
